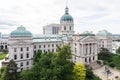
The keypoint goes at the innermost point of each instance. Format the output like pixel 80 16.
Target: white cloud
pixel 91 15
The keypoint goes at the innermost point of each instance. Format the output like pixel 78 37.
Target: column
pixel 82 49
pixel 88 49
pixel 95 49
pixel 92 48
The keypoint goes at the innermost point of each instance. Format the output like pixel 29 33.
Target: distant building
pixel 104 40
pixel 51 29
pixel 115 42
pixel 3 43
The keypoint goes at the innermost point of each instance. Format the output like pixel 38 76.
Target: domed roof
pixel 66 16
pixel 21 31
pixel 86 32
pixel 104 32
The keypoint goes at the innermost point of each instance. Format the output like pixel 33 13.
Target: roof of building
pixel 66 16
pixel 21 31
pixel 87 33
pixel 50 38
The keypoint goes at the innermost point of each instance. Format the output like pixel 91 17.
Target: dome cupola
pixel 21 31
pixel 66 16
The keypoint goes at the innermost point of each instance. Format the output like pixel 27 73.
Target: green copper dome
pixel 21 31
pixel 66 16
pixel 104 32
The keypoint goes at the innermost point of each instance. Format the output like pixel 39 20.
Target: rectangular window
pixel 27 49
pixel 52 50
pixel 21 49
pixel 21 56
pixel 21 69
pixel 15 57
pixel 27 55
pixel 75 44
pixel 52 45
pixel 34 46
pixel 21 64
pixel 39 46
pixel 27 63
pixel 15 49
pixel 44 46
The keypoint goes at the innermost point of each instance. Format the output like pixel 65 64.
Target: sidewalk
pixel 100 72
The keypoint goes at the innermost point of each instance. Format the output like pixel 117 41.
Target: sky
pixel 91 15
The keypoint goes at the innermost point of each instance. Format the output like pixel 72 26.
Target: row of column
pixel 88 49
pixel 90 59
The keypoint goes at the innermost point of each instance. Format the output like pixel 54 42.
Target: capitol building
pixel 22 45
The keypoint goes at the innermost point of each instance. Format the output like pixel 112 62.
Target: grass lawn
pixel 2 55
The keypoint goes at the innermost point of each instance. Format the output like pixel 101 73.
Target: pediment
pixel 89 39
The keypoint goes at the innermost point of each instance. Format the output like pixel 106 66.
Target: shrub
pixel 111 64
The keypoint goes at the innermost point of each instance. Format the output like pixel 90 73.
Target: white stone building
pixel 115 45
pixel 22 45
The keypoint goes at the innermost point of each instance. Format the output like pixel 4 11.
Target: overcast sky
pixel 92 15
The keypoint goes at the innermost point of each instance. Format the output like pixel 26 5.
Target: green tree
pixel 90 75
pixel 37 56
pixel 104 54
pixel 26 75
pixel 118 50
pixel 11 71
pixel 79 71
pixel 51 66
pixel 64 63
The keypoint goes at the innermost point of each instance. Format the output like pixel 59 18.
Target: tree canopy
pixel 79 71
pixel 51 66
pixel 118 50
pixel 11 71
